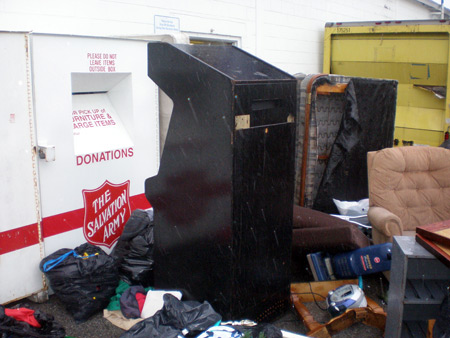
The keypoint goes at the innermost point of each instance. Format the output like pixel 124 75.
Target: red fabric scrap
pixel 24 315
pixel 140 297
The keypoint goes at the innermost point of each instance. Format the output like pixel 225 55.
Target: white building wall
pixel 286 33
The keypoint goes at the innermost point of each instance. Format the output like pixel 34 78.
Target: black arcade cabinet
pixel 223 196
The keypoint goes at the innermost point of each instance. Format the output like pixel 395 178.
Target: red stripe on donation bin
pixel 25 236
pixel 67 221
pixel 18 238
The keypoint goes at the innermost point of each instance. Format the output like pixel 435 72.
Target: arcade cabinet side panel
pixel 191 194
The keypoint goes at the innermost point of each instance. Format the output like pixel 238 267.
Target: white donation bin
pixel 79 134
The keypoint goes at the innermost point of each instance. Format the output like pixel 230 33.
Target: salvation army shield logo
pixel 106 210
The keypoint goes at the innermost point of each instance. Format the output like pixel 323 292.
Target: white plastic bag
pixel 154 301
pixel 352 208
pixel 353 211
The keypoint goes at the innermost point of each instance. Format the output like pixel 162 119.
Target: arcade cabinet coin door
pixel 223 196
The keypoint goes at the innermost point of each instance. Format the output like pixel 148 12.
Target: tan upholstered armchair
pixel 408 187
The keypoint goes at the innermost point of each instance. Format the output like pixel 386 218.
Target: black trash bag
pixel 12 328
pixel 84 279
pixel 134 250
pixel 176 318
pixel 441 328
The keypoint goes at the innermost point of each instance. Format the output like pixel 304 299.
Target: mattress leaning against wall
pixel 339 119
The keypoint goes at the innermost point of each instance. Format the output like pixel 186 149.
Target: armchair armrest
pixel 385 222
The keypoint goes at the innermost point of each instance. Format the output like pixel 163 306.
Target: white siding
pixel 286 33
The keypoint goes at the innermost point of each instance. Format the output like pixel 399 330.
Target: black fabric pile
pixel 176 318
pixel 12 328
pixel 134 250
pixel 189 319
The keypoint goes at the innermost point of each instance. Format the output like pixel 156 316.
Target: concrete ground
pixel 98 327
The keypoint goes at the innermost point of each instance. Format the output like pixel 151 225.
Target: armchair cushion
pixel 412 183
pixel 408 187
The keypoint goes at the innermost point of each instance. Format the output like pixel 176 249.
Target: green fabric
pixel 114 302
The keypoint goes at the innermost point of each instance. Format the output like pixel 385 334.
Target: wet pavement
pixel 99 327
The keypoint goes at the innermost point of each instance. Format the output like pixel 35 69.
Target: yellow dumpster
pixel 416 53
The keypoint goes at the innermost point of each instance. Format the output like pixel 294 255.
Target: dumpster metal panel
pixel 223 193
pixel 412 52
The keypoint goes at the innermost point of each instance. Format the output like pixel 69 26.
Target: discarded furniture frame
pixel 336 117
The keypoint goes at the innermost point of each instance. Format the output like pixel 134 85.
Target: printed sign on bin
pixel 106 210
pixel 97 126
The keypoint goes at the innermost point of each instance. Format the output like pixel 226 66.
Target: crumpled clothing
pixel 23 314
